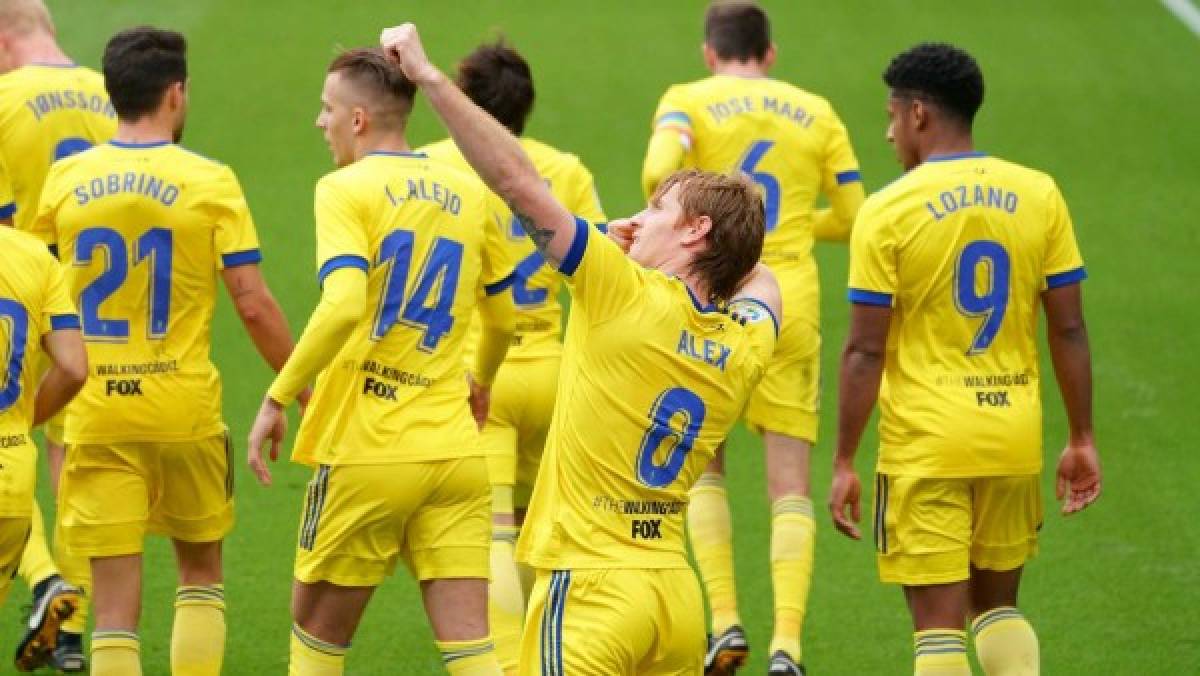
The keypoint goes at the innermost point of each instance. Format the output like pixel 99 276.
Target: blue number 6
pixel 671 403
pixel 993 302
pixel 770 184
pixel 18 320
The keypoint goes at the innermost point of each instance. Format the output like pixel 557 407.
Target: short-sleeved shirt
pixel 961 248
pixel 144 230
pixel 428 242
pixel 651 382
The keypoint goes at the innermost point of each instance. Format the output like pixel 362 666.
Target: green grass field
pixel 1099 94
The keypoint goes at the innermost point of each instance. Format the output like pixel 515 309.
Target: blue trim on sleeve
pixel 674 116
pixel 151 144
pixel 864 297
pixel 774 319
pixel 232 260
pixel 955 156
pixel 602 227
pixel 848 177
pixel 53 248
pixel 338 262
pixel 1064 278
pixel 500 286
pixel 571 261
pixel 8 210
pixel 63 322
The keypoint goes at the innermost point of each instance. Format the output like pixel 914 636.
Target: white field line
pixel 1186 12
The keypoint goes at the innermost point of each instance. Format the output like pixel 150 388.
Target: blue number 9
pixel 993 302
pixel 14 314
pixel 671 403
pixel 770 184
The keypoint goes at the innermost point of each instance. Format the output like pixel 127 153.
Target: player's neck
pixel 146 129
pixel 680 269
pixel 384 143
pixel 746 69
pixel 948 144
pixel 40 49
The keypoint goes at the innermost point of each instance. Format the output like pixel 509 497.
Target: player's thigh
pixel 787 400
pixel 586 623
pixel 192 499
pixel 14 532
pixel 680 632
pixel 541 387
pixel 450 533
pixel 1007 517
pixel 353 520
pixel 104 498
pixel 922 529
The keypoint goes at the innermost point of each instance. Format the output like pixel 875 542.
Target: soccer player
pixel 36 315
pixel 147 228
pixel 50 108
pixel 498 79
pixel 792 144
pixel 654 374
pixel 405 244
pixel 948 266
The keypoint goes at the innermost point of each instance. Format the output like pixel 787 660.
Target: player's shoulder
pixel 19 245
pixel 812 101
pixel 1028 176
pixel 686 92
pixel 549 159
pixel 444 149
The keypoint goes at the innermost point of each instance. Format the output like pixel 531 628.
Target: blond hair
pixel 22 17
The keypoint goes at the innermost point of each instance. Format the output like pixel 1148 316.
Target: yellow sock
pixel 78 571
pixel 710 528
pixel 792 538
pixel 941 652
pixel 310 656
pixel 116 653
pixel 470 658
pixel 198 637
pixel 1005 643
pixel 506 602
pixel 36 562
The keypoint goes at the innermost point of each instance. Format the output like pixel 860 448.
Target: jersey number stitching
pixel 440 269
pixel 993 302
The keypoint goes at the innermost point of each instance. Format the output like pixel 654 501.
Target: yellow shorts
pixel 515 434
pixel 359 519
pixel 111 495
pixel 14 532
pixel 932 531
pixel 18 476
pixel 787 400
pixel 609 622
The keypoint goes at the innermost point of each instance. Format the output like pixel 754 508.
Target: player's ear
pixel 769 58
pixel 359 120
pixel 919 112
pixel 709 54
pixel 696 229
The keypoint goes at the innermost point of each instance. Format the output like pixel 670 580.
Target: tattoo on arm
pixel 541 236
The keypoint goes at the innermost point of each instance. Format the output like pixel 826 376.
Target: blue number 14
pixel 441 270
pixel 992 303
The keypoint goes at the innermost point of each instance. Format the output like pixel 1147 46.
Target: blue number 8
pixel 671 403
pixel 770 184
pixel 993 302
pixel 14 314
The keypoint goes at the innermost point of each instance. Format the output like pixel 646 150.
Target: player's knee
pixel 199 562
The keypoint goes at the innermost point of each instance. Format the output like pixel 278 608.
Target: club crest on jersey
pixel 748 313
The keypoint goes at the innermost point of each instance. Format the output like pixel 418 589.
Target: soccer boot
pixel 782 664
pixel 54 600
pixel 726 653
pixel 68 655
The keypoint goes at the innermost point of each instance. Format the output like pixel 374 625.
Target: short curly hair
pixel 498 79
pixel 940 73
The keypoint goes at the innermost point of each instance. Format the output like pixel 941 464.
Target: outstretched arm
pixel 491 149
pixel 67 375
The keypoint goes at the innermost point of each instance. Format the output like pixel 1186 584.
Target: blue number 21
pixel 13 314
pixel 675 402
pixel 153 246
pixel 770 184
pixel 993 301
pixel 441 269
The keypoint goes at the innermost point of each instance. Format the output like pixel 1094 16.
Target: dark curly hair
pixel 498 80
pixel 941 74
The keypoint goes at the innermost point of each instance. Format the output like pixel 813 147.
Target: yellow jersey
pixel 47 112
pixel 144 230
pixel 33 301
pixel 8 204
pixel 651 383
pixel 534 285
pixel 397 390
pixel 788 141
pixel 961 248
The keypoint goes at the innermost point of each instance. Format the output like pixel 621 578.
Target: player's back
pixel 651 383
pixel 788 140
pixel 48 112
pixel 962 247
pixel 30 280
pixel 534 285
pixel 145 228
pixel 397 392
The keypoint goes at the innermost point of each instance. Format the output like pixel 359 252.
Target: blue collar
pixel 955 156
pixel 54 65
pixel 396 153
pixel 696 301
pixel 151 144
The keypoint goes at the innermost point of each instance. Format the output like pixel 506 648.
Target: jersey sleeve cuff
pixel 339 262
pixel 236 258
pixel 574 256
pixel 864 297
pixel 64 322
pixel 851 176
pixel 1066 278
pixel 7 210
pixel 501 285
